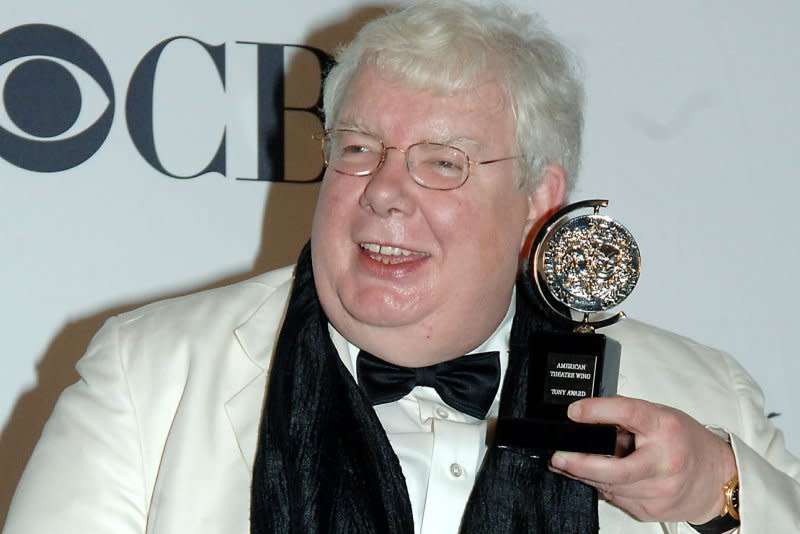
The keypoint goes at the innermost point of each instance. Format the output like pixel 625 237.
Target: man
pixel 451 130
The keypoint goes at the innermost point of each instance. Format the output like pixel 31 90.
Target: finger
pixel 654 489
pixel 616 494
pixel 644 490
pixel 634 415
pixel 626 443
pixel 642 464
pixel 638 508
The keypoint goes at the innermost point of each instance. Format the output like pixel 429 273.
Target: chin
pixel 380 303
pixel 382 316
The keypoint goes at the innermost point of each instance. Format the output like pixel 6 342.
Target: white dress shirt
pixel 440 449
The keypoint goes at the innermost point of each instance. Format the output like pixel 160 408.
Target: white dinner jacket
pixel 159 434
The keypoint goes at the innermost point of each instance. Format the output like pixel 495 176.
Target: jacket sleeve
pixel 85 474
pixel 769 476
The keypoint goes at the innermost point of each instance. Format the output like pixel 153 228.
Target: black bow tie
pixel 468 383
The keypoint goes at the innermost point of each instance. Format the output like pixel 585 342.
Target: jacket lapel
pixel 257 338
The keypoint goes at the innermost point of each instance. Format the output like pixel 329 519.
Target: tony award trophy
pixel 581 265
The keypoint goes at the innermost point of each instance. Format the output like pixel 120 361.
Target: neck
pixel 427 351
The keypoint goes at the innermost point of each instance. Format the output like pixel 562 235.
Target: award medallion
pixel 589 263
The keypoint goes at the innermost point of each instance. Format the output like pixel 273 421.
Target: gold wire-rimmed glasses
pixel 431 165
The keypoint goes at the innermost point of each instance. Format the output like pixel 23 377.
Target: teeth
pixel 385 250
pixel 395 251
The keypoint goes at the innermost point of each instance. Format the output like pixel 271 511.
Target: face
pixel 413 275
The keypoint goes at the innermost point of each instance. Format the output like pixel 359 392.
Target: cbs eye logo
pixel 57 98
pixel 58 102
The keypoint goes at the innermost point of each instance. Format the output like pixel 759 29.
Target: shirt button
pixel 456 470
pixel 441 413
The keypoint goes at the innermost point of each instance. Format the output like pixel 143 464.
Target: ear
pixel 546 199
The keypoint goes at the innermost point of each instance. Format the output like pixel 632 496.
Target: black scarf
pixel 324 464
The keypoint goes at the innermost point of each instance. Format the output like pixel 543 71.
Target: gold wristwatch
pixel 731 491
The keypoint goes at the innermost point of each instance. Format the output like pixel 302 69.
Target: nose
pixel 390 190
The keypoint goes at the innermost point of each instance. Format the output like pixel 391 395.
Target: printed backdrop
pixel 153 148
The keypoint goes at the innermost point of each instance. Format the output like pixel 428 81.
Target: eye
pixel 447 165
pixel 355 149
pixel 439 159
pixel 353 145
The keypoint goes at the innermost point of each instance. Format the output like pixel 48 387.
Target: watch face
pixel 731 491
pixel 589 263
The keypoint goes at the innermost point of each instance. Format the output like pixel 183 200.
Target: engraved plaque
pixel 569 377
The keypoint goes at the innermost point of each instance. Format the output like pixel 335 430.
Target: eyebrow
pixel 461 142
pixel 351 126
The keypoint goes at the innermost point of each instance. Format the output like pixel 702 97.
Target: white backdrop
pixel 691 133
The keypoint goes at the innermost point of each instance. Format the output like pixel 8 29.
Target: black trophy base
pixel 542 437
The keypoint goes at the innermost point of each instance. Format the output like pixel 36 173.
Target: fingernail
pixel 574 411
pixel 558 461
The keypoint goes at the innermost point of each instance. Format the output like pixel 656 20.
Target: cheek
pixel 495 233
pixel 330 231
pixel 495 225
pixel 334 201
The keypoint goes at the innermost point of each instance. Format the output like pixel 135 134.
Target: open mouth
pixel 389 255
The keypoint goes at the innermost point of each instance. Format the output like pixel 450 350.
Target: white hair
pixel 451 45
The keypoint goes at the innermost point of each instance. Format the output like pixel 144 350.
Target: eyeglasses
pixel 431 165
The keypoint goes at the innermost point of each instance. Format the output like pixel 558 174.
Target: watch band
pixel 718 525
pixel 729 517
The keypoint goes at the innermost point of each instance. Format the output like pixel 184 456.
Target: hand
pixel 674 472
